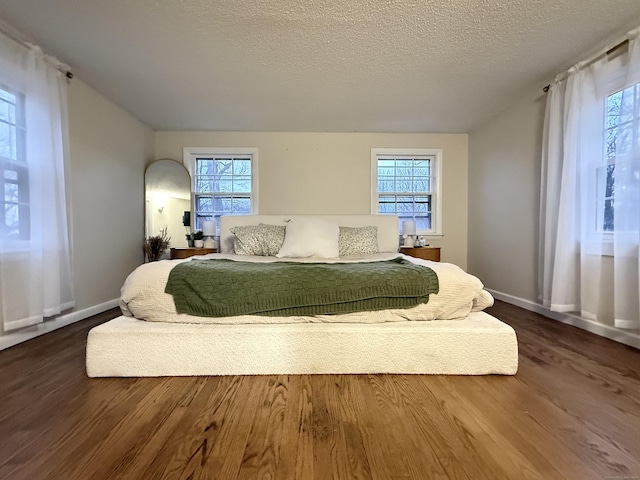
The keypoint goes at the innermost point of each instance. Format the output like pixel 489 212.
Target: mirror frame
pixel 146 189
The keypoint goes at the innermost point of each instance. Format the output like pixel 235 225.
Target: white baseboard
pixel 612 333
pixel 11 339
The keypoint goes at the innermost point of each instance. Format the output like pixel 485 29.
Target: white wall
pixel 108 153
pixel 316 173
pixel 504 198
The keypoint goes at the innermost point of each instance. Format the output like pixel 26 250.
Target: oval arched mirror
pixel 167 196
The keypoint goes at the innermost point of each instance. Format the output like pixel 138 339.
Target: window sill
pixel 426 235
pixel 603 249
pixel 15 249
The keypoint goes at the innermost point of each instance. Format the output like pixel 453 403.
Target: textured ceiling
pixel 318 65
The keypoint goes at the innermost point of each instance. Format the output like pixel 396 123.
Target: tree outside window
pixel 14 214
pixel 224 182
pixel 621 119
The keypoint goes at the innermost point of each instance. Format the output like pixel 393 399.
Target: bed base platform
pixel 477 345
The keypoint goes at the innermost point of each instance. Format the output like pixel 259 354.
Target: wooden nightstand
pixel 190 252
pixel 426 253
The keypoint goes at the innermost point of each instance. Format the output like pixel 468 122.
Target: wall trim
pixel 612 333
pixel 11 339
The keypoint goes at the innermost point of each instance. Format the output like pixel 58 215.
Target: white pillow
pixel 310 237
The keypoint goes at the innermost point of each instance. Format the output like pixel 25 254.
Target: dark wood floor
pixel 571 412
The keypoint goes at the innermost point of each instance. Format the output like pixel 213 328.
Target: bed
pixel 450 334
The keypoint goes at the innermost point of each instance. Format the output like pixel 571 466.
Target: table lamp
pixel 209 231
pixel 408 232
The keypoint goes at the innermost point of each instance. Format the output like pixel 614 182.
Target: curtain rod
pixel 8 31
pixel 597 57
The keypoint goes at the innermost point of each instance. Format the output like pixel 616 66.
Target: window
pixel 223 182
pixel 407 183
pixel 621 124
pixel 14 214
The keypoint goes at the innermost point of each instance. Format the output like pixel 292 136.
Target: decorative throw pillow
pixel 358 240
pixel 310 237
pixel 263 239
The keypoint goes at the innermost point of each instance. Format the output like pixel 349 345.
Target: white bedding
pixel 143 296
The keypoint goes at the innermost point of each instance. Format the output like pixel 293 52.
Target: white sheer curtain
pixel 590 191
pixel 35 263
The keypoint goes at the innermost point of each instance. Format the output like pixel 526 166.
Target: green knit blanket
pixel 224 288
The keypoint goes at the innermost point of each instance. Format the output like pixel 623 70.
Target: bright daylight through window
pixel 406 184
pixel 223 184
pixel 14 223
pixel 622 119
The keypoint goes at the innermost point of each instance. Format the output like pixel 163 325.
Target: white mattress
pixel 476 345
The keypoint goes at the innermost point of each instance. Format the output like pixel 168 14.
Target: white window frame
pixel 612 79
pixel 601 241
pixel 20 165
pixel 435 155
pixel 634 125
pixel 190 154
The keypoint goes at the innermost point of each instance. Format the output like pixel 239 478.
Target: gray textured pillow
pixel 263 240
pixel 358 240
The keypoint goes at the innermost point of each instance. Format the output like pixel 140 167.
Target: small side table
pixel 425 253
pixel 190 252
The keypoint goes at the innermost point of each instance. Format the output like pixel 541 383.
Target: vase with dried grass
pixel 155 246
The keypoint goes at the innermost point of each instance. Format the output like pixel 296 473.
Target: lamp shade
pixel 209 228
pixel 408 227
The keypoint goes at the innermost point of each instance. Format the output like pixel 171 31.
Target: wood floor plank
pixel 596 376
pixel 601 437
pixel 384 425
pixel 126 435
pixel 458 455
pixel 298 440
pixel 76 427
pixel 571 412
pixel 263 452
pixel 417 451
pixel 159 435
pixel 494 456
pixel 521 427
pixel 533 327
pixel 582 389
pixel 340 395
pixel 215 443
pixel 330 455
pixel 156 465
pixel 127 439
pixel 375 441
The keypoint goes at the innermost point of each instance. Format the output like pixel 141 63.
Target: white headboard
pixel 388 233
